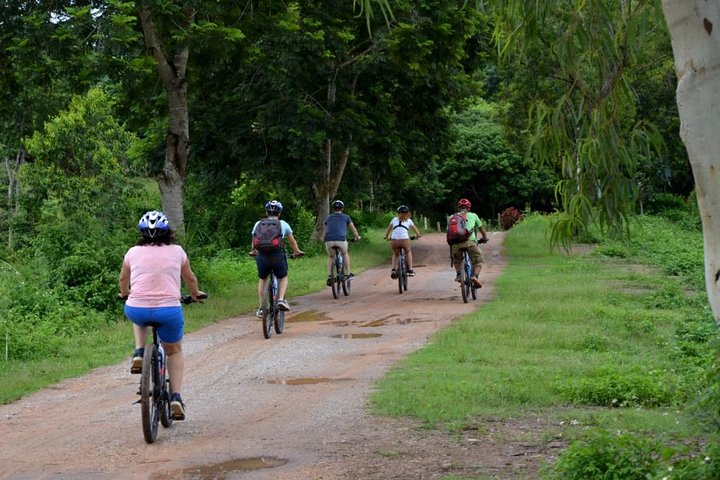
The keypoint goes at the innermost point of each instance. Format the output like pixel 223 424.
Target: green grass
pixel 580 339
pixel 231 282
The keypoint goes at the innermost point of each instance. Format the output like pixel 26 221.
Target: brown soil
pixel 292 407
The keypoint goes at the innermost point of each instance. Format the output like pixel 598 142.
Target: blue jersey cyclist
pixel 335 235
pixel 275 262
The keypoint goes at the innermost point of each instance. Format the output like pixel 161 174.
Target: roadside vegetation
pixel 613 344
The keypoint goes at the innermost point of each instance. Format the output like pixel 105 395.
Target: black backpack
pixel 268 236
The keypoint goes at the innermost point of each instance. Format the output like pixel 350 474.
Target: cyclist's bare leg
pixel 346 263
pixel 261 290
pixel 282 286
pixel 140 334
pixel 175 365
pixel 331 262
pixel 395 244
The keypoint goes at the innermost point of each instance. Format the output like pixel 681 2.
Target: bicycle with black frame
pixel 402 269
pixel 467 287
pixel 272 316
pixel 155 391
pixel 338 280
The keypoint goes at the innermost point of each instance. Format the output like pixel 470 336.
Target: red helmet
pixel 464 203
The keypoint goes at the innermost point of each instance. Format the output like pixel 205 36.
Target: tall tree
pixel 171 58
pixel 695 31
pixel 591 131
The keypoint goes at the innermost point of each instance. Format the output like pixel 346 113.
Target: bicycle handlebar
pixel 184 299
pixel 254 253
pixel 188 299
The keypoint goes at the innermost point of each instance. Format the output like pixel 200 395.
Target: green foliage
pixel 77 214
pixel 602 455
pixel 584 121
pixel 485 167
pixel 616 387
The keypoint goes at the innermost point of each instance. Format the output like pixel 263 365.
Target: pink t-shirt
pixel 155 275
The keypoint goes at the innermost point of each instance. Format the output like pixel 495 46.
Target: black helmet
pixel 403 209
pixel 338 204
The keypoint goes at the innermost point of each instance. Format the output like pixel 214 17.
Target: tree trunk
pixel 13 192
pixel 695 28
pixel 172 72
pixel 332 170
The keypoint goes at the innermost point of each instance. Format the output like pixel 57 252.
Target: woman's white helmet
pixel 153 224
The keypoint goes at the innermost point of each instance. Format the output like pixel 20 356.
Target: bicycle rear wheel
pixel 150 394
pixel 464 281
pixel 279 321
pixel 346 285
pixel 336 278
pixel 267 313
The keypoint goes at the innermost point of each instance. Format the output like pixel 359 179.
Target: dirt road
pixel 292 407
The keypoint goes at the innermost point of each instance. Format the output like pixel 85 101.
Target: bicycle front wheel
pixel 150 394
pixel 401 272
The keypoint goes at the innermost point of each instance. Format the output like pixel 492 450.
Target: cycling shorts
pixel 271 262
pixel 170 319
pixel 341 244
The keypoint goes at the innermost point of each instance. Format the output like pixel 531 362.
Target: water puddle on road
pixel 306 316
pixel 219 471
pixel 301 381
pixel 357 335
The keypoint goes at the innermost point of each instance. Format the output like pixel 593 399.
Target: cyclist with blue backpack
pixel 463 227
pixel 268 248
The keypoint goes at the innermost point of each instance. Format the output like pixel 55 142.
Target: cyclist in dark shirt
pixel 335 235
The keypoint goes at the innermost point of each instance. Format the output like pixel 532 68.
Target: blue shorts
pixel 272 262
pixel 170 319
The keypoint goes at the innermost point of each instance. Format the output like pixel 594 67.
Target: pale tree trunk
pixel 172 71
pixel 333 166
pixel 13 191
pixel 695 28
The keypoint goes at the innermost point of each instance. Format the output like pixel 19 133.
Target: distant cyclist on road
pixel 473 225
pixel 269 251
pixel 335 235
pixel 398 232
pixel 150 280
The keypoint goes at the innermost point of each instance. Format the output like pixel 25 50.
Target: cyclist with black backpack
pixel 268 249
pixel 463 227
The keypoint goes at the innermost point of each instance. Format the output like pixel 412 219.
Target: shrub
pixel 509 217
pixel 613 388
pixel 602 455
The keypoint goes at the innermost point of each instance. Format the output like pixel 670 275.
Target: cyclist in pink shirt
pixel 150 280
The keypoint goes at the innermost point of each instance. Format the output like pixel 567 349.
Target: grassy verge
pixel 587 341
pixel 230 279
